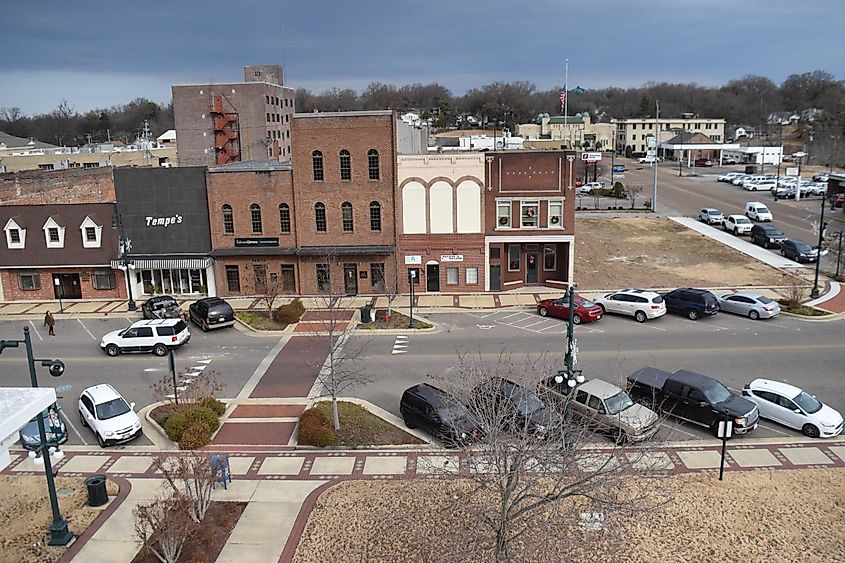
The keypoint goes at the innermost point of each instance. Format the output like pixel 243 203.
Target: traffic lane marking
pixel 73 427
pixel 94 338
pixel 38 334
pixel 773 429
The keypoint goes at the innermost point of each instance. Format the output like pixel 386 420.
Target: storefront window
pixel 513 257
pixel 549 257
pixel 174 281
pixel 472 276
pixel 452 275
pixel 555 214
pixel 104 280
pixel 503 214
pixel 233 279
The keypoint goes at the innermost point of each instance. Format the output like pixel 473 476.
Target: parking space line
pixel 512 315
pixel 94 338
pixel 773 429
pixel 534 324
pixel 38 334
pixel 72 427
pixel 679 429
pixel 548 327
pixel 490 315
pixel 654 327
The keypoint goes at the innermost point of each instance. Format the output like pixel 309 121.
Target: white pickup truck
pixel 589 187
pixel 648 159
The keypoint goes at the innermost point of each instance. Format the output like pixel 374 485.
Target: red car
pixel 585 310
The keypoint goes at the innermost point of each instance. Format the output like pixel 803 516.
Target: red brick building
pixel 529 218
pixel 251 212
pixel 221 123
pixel 344 174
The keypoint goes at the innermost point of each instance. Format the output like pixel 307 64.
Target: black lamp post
pixel 124 260
pixel 570 374
pixel 59 533
pixel 815 292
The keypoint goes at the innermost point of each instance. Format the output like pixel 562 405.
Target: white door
pixel 790 417
pixel 615 304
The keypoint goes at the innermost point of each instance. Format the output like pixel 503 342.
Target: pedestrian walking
pixel 50 322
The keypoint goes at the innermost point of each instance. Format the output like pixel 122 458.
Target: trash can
pixel 366 314
pixel 97 495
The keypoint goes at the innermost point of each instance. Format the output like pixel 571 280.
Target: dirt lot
pixel 778 516
pixel 25 515
pixel 659 253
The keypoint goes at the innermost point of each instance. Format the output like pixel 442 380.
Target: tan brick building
pixel 241 121
pixel 529 218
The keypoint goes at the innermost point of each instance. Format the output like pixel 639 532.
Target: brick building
pixel 441 223
pixel 251 212
pixel 344 173
pixel 529 218
pixel 59 251
pixel 39 187
pixel 221 123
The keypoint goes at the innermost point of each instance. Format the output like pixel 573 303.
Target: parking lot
pixel 232 355
pixel 732 349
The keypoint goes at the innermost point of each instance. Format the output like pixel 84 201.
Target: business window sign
pixel 413 259
pixel 256 242
pixel 451 257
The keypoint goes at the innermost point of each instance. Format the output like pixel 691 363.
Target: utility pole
pixel 656 161
pixel 815 292
pixel 147 154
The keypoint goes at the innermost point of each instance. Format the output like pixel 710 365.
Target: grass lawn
pixel 259 320
pixel 397 320
pixel 802 310
pixel 359 427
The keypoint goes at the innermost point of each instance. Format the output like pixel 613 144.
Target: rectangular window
pixel 530 214
pixel 288 279
pixel 233 279
pixel 375 216
pixel 320 218
pixel 29 281
pixel 452 275
pixel 503 215
pixel 259 274
pixel 104 280
pixel 324 278
pixel 555 214
pixel 268 118
pixel 495 253
pixel 513 257
pixel 53 233
pixel 90 165
pixel 549 258
pixel 377 277
pixel 284 218
pixel 472 276
pixel 90 234
pixel 15 236
pixel 345 167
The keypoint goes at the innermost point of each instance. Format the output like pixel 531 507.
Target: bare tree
pixel 162 526
pixel 196 387
pixel 538 463
pixel 192 476
pixel 339 371
pixel 267 286
pixel 633 193
pixel 796 290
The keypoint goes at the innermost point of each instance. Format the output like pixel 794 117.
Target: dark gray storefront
pixel 164 216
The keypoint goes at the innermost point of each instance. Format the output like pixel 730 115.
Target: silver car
pixel 711 216
pixel 749 304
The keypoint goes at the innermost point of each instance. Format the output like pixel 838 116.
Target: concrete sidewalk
pixel 282 488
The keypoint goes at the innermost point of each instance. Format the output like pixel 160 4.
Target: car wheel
pixel 160 350
pixel 693 315
pixel 408 422
pixel 543 312
pixel 101 441
pixel 753 315
pixel 640 317
pixel 736 232
pixel 82 421
pixel 576 319
pixel 113 350
pixel 810 431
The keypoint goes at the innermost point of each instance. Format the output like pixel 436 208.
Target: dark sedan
pixel 585 310
pixel 518 409
pixel 798 250
pixel 54 429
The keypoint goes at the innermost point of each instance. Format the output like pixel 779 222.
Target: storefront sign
pixel 256 242
pixel 413 259
pixel 163 221
pixel 451 257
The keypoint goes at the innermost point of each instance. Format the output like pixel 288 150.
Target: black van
pixel 694 303
pixel 439 413
pixel 211 312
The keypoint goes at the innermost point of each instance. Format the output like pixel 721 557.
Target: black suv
pixel 694 303
pixel 161 307
pixel 211 312
pixel 436 411
pixel 767 236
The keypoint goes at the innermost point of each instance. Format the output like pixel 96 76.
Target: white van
pixel 756 211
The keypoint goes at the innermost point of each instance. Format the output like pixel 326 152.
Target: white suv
pixel 156 336
pixel 108 415
pixel 737 224
pixel 757 211
pixel 638 303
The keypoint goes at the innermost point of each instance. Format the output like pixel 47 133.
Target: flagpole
pixel 566 102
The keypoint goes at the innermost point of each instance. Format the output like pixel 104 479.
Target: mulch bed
pixel 161 412
pixel 207 543
pixel 395 321
pixel 259 320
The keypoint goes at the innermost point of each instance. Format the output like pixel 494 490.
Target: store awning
pixel 166 264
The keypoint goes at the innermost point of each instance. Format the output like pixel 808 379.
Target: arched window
pixel 346 216
pixel 320 217
pixel 375 216
pixel 345 165
pixel 228 220
pixel 372 164
pixel 317 165
pixel 255 215
pixel 284 217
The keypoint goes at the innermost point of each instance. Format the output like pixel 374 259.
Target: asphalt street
pixel 230 354
pixel 733 349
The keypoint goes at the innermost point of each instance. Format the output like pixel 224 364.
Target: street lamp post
pixel 59 533
pixel 815 292
pixel 412 277
pixel 124 261
pixel 570 375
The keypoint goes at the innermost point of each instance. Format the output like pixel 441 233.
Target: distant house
pixel 811 114
pixel 744 131
pixel 783 118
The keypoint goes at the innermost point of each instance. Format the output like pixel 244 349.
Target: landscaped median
pixel 358 428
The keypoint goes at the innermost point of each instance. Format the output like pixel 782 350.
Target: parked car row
pixel 779 186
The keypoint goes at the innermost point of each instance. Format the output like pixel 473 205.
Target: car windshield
pixel 111 409
pixel 526 403
pixel 808 403
pixel 741 220
pixel 718 393
pixel 618 403
pixel 802 246
pixel 713 212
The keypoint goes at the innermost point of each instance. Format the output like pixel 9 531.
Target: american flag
pixel 562 99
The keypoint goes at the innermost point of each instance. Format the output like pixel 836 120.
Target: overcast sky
pixel 98 54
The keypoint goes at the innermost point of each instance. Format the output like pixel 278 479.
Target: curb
pixel 153 431
pixel 244 328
